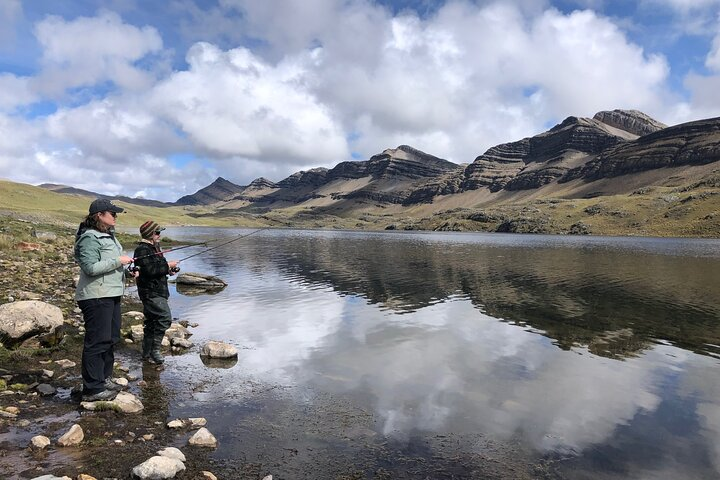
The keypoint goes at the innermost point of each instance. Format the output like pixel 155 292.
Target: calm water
pixel 411 355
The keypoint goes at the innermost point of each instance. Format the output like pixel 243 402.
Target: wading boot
pixel 155 355
pixel 147 345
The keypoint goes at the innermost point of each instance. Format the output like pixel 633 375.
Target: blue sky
pixel 156 99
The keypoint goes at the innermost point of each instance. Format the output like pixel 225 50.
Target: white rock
pixel 177 423
pixel 197 422
pixel 51 477
pixel 65 363
pixel 72 437
pixel 48 373
pixel 39 442
pixel 208 475
pixel 157 468
pixel 267 477
pixel 27 318
pixel 137 333
pixel 177 331
pixel 123 382
pixel 203 438
pixel 215 349
pixel 181 342
pixel 126 402
pixel 165 342
pixel 171 452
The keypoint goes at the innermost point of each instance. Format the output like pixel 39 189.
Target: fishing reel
pixel 174 270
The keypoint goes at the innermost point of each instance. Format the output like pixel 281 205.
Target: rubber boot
pixel 147 345
pixel 155 354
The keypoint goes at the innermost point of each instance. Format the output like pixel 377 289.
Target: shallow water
pixel 457 355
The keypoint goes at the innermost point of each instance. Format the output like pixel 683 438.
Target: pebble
pixel 40 442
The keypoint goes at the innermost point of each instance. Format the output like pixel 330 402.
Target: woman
pixel 153 289
pixel 98 293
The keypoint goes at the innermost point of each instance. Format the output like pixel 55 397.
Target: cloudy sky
pixel 157 99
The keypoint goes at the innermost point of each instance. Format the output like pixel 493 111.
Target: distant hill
pixel 86 193
pixel 217 191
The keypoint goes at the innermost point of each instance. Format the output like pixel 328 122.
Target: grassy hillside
pixel 687 210
pixel 44 205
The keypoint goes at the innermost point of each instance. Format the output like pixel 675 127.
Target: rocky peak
pixel 313 177
pixel 631 121
pixel 219 190
pixel 260 183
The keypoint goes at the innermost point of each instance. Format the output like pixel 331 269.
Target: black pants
pixel 102 332
pixel 157 317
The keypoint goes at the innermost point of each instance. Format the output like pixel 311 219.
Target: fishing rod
pixel 161 252
pixel 133 269
pixel 222 244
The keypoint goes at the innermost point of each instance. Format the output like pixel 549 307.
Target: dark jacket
pixel 152 281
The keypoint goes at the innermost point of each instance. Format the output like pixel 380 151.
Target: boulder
pixel 72 437
pixel 24 319
pixel 203 438
pixel 158 467
pixel 200 280
pixel 171 452
pixel 124 402
pixel 215 349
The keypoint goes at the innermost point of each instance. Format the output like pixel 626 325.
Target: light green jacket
pixel 101 273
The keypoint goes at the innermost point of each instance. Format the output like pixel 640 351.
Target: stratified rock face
pixel 496 167
pixel 408 162
pixel 693 143
pixel 507 166
pixel 217 191
pixel 631 121
pixel 311 178
pixel 260 183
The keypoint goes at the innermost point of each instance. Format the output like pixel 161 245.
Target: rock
pixel 45 389
pixel 27 246
pixel 23 295
pixel 51 477
pixel 209 476
pixel 125 402
pixel 85 476
pixel 215 349
pixel 43 235
pixel 148 436
pixel 171 452
pixel 65 363
pixel 48 373
pixel 177 331
pixel 5 414
pixel 177 423
pixel 134 314
pixel 137 333
pixel 24 319
pixel 197 422
pixel 181 342
pixel 13 410
pixel 123 382
pixel 158 467
pixel 267 477
pixel 39 442
pixel 200 280
pixel 72 437
pixel 203 438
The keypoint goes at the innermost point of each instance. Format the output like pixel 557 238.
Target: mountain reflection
pixel 617 302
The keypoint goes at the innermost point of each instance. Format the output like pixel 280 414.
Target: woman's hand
pixel 125 260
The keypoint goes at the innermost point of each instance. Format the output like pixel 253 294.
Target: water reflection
pixel 462 336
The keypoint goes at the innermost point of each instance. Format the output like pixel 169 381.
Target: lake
pixel 454 355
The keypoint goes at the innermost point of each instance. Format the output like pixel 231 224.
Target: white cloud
pixel 115 129
pixel 234 104
pixel 87 51
pixel 14 92
pixel 10 12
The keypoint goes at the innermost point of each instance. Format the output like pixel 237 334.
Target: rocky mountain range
pixel 566 159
